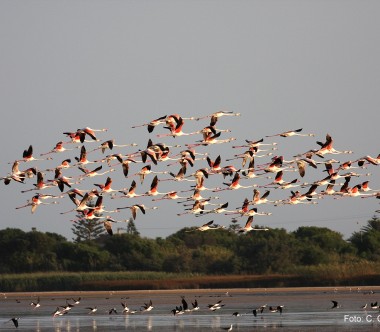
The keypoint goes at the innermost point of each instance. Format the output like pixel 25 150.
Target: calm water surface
pixel 304 310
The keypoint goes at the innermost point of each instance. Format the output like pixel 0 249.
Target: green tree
pixel 87 230
pixel 367 241
pixel 320 245
pixel 131 228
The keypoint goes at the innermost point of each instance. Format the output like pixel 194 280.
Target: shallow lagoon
pixel 305 309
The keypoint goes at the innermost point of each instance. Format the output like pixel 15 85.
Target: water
pixel 304 310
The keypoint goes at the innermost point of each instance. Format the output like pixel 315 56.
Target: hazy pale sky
pixel 283 65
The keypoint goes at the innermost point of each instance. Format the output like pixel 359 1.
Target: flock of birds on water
pixel 75 305
pixel 187 170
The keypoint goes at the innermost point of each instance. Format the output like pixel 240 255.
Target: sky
pixel 283 65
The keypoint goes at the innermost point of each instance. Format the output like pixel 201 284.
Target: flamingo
pixel 247 156
pixel 62 180
pixel 200 186
pixel 110 144
pixel 83 203
pixel 76 137
pixel 195 196
pixel 279 182
pixel 207 226
pixel 28 155
pixel 91 132
pixel 65 164
pixel 17 175
pixel 256 200
pixel 170 195
pixel 125 164
pixel 180 176
pixel 93 172
pixel 235 184
pixel 176 130
pixel 372 160
pixel 153 188
pixel 220 209
pixel 82 160
pixel 41 184
pixel 35 202
pixel 276 166
pixel 57 148
pixel 290 133
pixel 197 208
pixel 137 207
pixel 327 147
pixel 211 139
pixel 254 144
pixel 250 173
pixel 216 115
pixel 248 227
pixel 106 187
pixel 145 170
pixel 152 124
pixel 253 212
pixel 130 193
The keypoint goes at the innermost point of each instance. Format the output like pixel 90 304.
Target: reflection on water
pixel 306 310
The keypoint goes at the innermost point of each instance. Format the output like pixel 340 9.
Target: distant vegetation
pixel 312 256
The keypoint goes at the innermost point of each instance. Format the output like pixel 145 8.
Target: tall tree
pixel 131 228
pixel 85 230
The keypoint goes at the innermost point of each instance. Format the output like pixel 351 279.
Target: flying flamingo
pixel 180 176
pixel 84 203
pixel 58 148
pixel 256 199
pixel 152 124
pixel 235 184
pixel 372 160
pixel 76 137
pixel 177 129
pixel 170 195
pixel 147 169
pixel 253 212
pixel 137 207
pixel 207 226
pixel 279 182
pixel 18 175
pixel 248 227
pixel 106 187
pixel 253 144
pixel 63 165
pixel 210 140
pixel 28 155
pixel 153 188
pixel 41 184
pixel 82 160
pixel 94 172
pixel 91 132
pixel 124 163
pixel 110 144
pixel 200 186
pixel 197 208
pixel 289 133
pixel 216 115
pixel 222 208
pixel 36 201
pixel 131 193
pixel 327 147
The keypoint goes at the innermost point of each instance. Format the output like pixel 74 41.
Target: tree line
pixel 211 252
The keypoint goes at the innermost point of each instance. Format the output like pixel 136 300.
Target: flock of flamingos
pixel 190 171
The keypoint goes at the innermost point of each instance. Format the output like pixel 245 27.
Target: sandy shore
pixel 195 291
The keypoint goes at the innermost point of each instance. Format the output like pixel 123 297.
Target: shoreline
pixel 354 288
